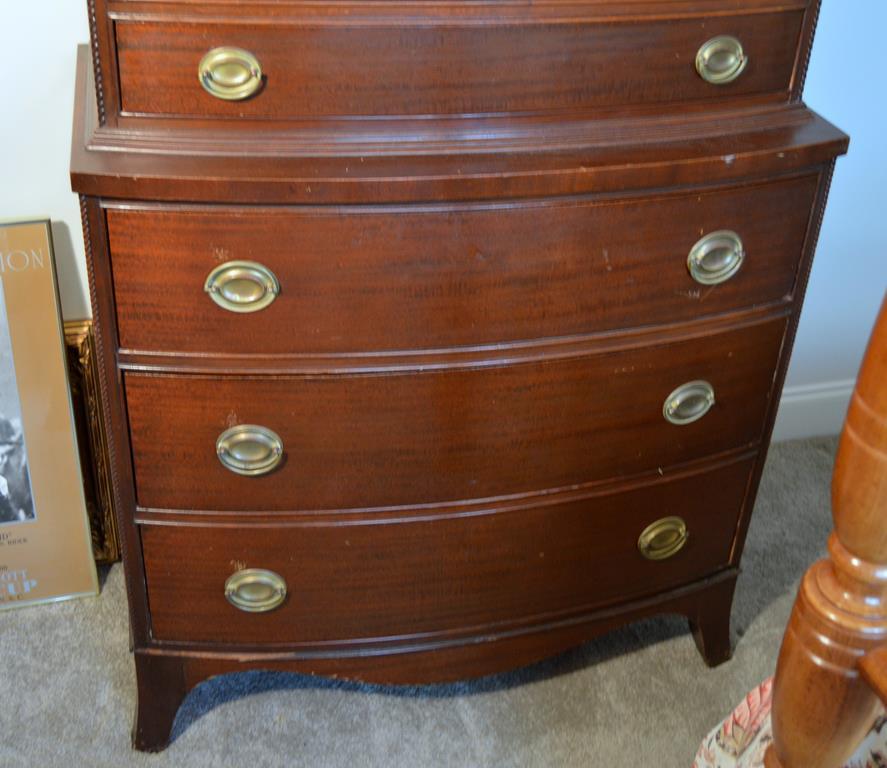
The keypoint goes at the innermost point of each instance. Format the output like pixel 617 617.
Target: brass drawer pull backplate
pixel 231 74
pixel 663 539
pixel 689 402
pixel 255 590
pixel 242 286
pixel 248 449
pixel 721 60
pixel 716 257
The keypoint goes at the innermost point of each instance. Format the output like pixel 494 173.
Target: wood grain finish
pixel 374 278
pixel 873 669
pixel 419 67
pixel 352 581
pixel 485 302
pixel 167 671
pixel 398 161
pixel 379 440
pixel 830 676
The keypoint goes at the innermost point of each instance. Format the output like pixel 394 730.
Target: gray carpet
pixel 639 696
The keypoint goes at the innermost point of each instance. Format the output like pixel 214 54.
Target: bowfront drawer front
pixel 326 581
pixel 393 438
pixel 292 280
pixel 425 64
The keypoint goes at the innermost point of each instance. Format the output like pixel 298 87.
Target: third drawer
pixel 353 440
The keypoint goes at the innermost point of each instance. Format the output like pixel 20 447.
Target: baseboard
pixel 812 410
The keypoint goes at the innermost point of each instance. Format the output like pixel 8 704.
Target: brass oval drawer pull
pixel 242 286
pixel 721 60
pixel 663 539
pixel 716 257
pixel 255 590
pixel 689 402
pixel 248 449
pixel 232 74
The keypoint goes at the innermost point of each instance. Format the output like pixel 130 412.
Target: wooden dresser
pixel 437 338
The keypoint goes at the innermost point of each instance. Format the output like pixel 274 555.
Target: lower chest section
pixel 358 427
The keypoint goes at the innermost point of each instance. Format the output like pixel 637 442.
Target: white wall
pixel 35 130
pixel 849 275
pixel 844 84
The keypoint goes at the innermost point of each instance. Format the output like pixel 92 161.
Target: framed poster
pixel 45 547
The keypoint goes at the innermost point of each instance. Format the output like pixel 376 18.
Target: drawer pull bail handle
pixel 248 449
pixel 721 60
pixel 716 257
pixel 231 74
pixel 242 286
pixel 255 590
pixel 663 539
pixel 689 402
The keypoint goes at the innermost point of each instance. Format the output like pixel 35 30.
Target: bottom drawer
pixel 389 578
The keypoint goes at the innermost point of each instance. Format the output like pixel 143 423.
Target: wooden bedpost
pixel 830 672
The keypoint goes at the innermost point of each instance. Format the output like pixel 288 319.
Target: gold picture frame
pixel 92 439
pixel 45 543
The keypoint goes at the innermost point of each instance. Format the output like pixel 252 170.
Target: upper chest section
pixel 235 65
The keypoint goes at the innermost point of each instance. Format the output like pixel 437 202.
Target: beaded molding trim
pixel 802 73
pixel 96 61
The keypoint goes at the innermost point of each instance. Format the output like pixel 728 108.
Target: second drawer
pixel 391 278
pixel 395 438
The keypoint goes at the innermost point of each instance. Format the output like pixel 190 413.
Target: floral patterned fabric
pixel 741 740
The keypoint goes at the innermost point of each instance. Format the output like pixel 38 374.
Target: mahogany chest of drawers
pixel 436 338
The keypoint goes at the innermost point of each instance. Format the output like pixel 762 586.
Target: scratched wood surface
pixel 373 278
pixel 485 300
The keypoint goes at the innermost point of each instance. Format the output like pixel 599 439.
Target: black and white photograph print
pixel 16 498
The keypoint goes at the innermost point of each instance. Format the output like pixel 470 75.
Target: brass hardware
pixel 663 539
pixel 230 73
pixel 689 402
pixel 721 60
pixel 255 590
pixel 248 449
pixel 242 286
pixel 716 257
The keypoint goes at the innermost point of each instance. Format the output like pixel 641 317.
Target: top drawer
pixel 293 61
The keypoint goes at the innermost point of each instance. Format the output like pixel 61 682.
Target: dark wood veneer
pixel 417 67
pixel 351 582
pixel 463 35
pixel 462 380
pixel 366 11
pixel 413 437
pixel 167 671
pixel 375 278
pixel 388 162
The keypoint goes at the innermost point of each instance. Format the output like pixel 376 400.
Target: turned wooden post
pixel 832 655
